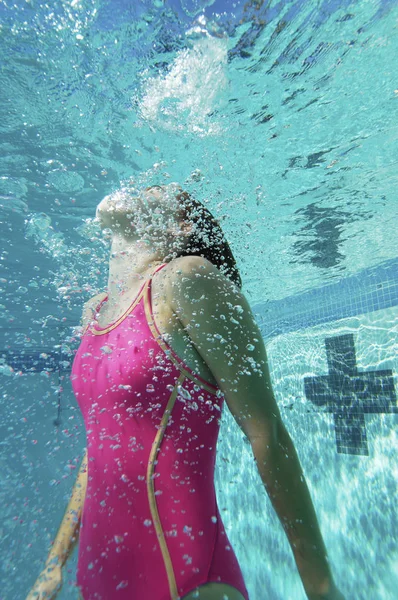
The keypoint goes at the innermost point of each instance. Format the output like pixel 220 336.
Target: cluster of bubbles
pixel 80 269
pixel 186 97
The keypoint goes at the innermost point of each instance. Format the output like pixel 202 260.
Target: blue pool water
pixel 282 116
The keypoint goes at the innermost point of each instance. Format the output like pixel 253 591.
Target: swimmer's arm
pixel 68 532
pixel 217 317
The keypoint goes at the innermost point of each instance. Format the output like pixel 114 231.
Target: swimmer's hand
pixel 47 585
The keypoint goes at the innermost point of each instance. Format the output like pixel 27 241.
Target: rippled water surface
pixel 283 115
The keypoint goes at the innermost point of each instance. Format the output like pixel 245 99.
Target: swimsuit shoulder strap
pixel 158 269
pixel 149 284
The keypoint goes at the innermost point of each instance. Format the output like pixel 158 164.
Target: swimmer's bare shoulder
pixel 89 309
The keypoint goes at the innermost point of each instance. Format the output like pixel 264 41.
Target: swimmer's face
pixel 151 212
pixel 116 207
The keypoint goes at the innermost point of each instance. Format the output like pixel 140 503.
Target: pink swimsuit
pixel 150 529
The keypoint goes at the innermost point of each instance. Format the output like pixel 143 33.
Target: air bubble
pixel 6 370
pixel 106 349
pixel 122 584
pixel 184 393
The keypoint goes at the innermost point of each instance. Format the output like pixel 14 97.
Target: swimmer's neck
pixel 130 263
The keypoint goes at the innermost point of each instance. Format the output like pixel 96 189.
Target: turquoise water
pixel 283 117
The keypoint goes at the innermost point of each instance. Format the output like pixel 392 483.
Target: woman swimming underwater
pixel 171 340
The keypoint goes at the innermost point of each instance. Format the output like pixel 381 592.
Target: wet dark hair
pixel 207 238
